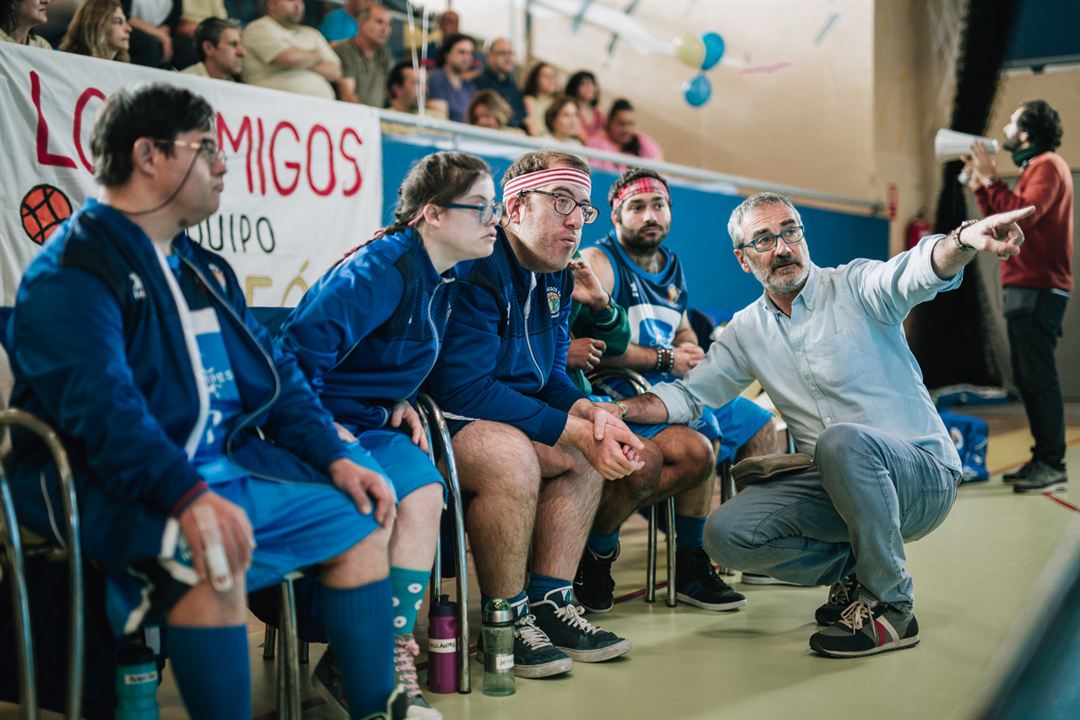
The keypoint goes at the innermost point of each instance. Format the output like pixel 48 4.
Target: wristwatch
pixel 955 235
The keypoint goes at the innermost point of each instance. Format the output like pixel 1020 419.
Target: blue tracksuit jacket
pixel 504 356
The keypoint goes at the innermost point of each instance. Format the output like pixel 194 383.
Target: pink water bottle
pixel 443 658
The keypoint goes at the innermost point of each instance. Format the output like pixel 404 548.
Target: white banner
pixel 304 180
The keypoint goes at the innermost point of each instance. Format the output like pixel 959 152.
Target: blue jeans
pixel 869 493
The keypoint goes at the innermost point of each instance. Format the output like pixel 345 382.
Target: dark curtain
pixel 951 334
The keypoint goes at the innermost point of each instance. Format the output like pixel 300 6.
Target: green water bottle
pixel 497 627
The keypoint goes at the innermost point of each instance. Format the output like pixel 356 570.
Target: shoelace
pixel 405 649
pixel 572 615
pixel 840 593
pixel 857 614
pixel 531 635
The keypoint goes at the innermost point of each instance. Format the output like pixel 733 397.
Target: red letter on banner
pixel 44 157
pixel 355 188
pixel 80 106
pixel 294 166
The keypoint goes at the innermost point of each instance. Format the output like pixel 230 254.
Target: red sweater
pixel 1045 259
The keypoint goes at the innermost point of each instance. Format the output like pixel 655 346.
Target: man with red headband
pixel 647 279
pixel 529 445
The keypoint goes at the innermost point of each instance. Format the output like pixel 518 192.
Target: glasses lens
pixel 209 150
pixel 792 234
pixel 564 205
pixel 589 213
pixel 765 244
pixel 489 211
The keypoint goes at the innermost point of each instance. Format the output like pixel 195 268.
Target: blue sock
pixel 541 585
pixel 603 545
pixel 358 625
pixel 689 532
pixel 519 603
pixel 213 670
pixel 408 588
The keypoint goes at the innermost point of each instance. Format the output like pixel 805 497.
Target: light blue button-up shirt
pixel 841 357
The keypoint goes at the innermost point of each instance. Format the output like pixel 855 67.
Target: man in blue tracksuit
pixel 533 449
pixel 136 345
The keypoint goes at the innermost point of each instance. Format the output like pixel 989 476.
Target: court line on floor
pixel 1063 503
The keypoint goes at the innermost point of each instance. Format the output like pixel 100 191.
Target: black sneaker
pixel 1020 473
pixel 594 588
pixel 698 583
pixel 1043 479
pixel 562 621
pixel 841 594
pixel 867 627
pixel 534 655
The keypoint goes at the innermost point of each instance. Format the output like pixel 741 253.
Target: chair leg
pixel 12 546
pixel 269 640
pixel 727 491
pixel 288 670
pixel 305 651
pixel 672 544
pixel 650 558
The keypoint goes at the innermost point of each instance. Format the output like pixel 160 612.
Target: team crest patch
pixel 673 294
pixel 554 301
pixel 218 275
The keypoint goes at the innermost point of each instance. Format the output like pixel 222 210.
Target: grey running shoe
pixel 865 628
pixel 562 622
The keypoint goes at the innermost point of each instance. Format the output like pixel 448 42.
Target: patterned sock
pixel 359 628
pixel 541 585
pixel 408 588
pixel 603 545
pixel 689 532
pixel 213 670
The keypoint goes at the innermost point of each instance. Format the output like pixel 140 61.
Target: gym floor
pixel 975 576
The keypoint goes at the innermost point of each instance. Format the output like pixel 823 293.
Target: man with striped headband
pixel 532 449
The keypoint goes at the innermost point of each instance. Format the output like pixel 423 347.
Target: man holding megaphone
pixel 1038 282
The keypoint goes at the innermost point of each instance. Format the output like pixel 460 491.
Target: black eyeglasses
pixel 564 205
pixel 490 212
pixel 207 149
pixel 791 235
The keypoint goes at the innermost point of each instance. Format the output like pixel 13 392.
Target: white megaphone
pixel 950 145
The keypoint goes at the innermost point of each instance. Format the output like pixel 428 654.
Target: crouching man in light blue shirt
pixel 828 346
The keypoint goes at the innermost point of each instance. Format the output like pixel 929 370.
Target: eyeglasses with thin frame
pixel 791 235
pixel 564 205
pixel 490 212
pixel 206 148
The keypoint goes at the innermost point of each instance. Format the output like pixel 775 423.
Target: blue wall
pixel 698 233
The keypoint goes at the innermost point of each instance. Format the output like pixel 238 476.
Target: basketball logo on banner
pixel 42 210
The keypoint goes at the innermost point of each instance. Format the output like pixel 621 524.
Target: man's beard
pixel 635 240
pixel 781 287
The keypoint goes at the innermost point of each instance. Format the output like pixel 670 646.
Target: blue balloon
pixel 714 50
pixel 697 90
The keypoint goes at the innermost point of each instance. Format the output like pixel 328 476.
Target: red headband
pixel 533 180
pixel 641 185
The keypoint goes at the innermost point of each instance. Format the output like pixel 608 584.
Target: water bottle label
pixel 442 645
pixel 504 663
pixel 140 678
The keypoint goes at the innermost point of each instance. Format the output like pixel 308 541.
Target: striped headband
pixel 533 180
pixel 641 185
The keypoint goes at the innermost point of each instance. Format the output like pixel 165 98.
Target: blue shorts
pixel 392 453
pixel 739 420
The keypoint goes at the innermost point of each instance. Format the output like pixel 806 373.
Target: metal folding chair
pixel 641 385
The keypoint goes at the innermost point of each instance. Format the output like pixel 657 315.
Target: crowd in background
pixel 356 52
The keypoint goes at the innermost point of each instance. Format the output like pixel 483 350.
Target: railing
pixel 457 135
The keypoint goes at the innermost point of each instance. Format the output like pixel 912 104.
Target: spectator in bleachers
pixel 449 89
pixel 136 344
pixel 99 29
pixel 525 438
pixel 401 88
pixel 488 109
pixel 365 59
pixel 562 122
pixel 285 55
pixel 621 135
pixel 499 76
pixel 540 89
pixel 582 86
pixel 152 25
pixel 220 49
pixel 447 26
pixel 342 24
pixel 193 12
pixel 18 17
